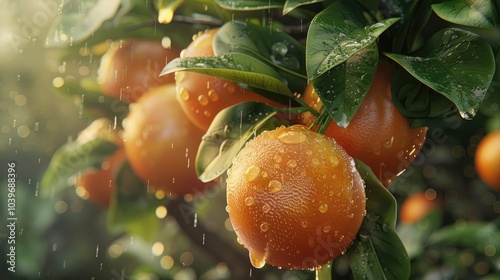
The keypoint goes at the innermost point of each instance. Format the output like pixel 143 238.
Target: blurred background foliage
pixel 64 236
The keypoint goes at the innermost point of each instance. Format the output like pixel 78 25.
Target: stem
pixel 325 272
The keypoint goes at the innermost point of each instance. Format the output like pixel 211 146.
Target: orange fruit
pixel 131 67
pixel 202 96
pixel 161 143
pixel 295 198
pixel 416 207
pixel 487 160
pixel 378 134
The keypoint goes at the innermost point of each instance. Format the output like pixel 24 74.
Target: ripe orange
pixel 295 198
pixel 130 68
pixel 98 185
pixel 202 96
pixel 487 160
pixel 378 134
pixel 416 207
pixel 161 143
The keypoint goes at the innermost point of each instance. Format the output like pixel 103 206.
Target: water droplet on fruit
pixel 252 173
pixel 334 160
pixel 180 76
pixel 256 260
pixel 249 201
pixel 227 209
pixel 275 186
pixel 303 224
pixel 277 158
pixel 265 209
pixel 292 137
pixel 315 161
pixel 183 94
pixel 323 208
pixel 229 87
pixel 387 144
pixel 203 100
pixel 291 163
pixel 264 226
pixel 213 95
pixel 326 229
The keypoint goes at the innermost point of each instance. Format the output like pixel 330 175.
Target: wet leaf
pixel 79 19
pixel 337 33
pixel 132 209
pixel 166 9
pixel 290 5
pixel 249 5
pixel 278 49
pixel 228 133
pixel 475 13
pixel 72 158
pixel 377 252
pixel 235 67
pixel 342 88
pixel 456 63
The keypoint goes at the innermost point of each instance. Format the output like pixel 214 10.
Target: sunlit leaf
pixel 72 158
pixel 228 133
pixel 377 252
pixel 456 63
pixel 166 9
pixel 132 209
pixel 250 4
pixel 79 19
pixel 290 5
pixel 235 67
pixel 337 33
pixel 278 49
pixel 475 13
pixel 342 88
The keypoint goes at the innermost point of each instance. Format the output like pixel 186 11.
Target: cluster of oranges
pixel 294 196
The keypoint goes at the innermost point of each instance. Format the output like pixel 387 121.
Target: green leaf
pixel 475 13
pixel 278 49
pixel 249 5
pixel 290 5
pixel 228 133
pixel 86 93
pixel 235 67
pixel 475 235
pixel 166 9
pixel 456 63
pixel 132 209
pixel 337 33
pixel 377 252
pixel 79 19
pixel 72 158
pixel 415 235
pixel 342 88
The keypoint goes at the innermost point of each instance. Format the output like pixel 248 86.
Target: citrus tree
pixel 287 129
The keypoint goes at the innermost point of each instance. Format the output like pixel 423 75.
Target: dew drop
pixel 213 95
pixel 291 163
pixel 265 209
pixel 292 137
pixel 275 186
pixel 279 48
pixel 323 208
pixel 184 94
pixel 252 173
pixel 203 100
pixel 264 227
pixel 249 201
pixel 257 261
pixel 227 209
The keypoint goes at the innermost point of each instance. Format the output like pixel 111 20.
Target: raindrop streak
pixel 97 251
pixel 195 222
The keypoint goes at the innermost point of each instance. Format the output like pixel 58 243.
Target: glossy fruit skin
pixel 202 96
pixel 378 134
pixel 98 185
pixel 130 68
pixel 295 198
pixel 416 207
pixel 161 143
pixel 487 160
